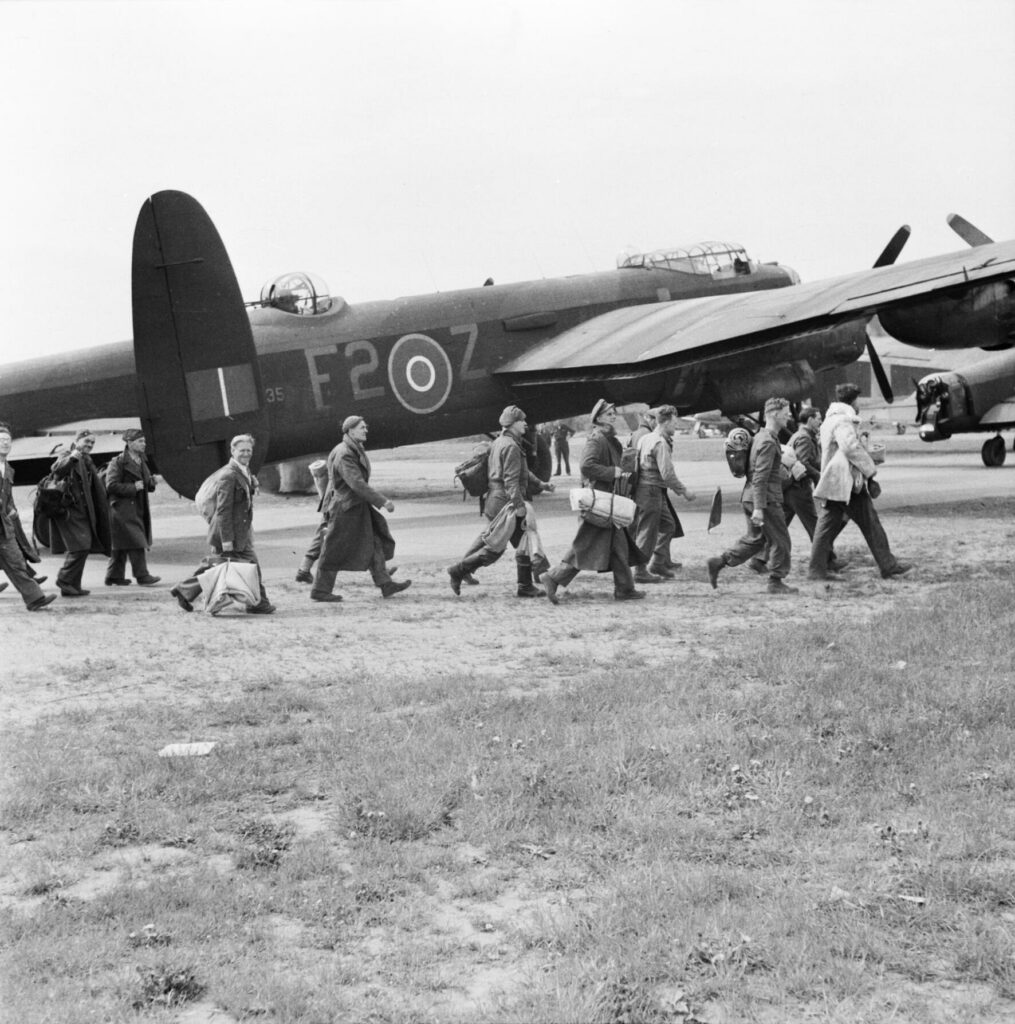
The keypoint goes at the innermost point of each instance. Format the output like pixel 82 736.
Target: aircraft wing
pixel 637 340
pixel 32 456
pixel 1000 415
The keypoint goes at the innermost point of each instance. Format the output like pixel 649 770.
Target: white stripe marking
pixel 222 388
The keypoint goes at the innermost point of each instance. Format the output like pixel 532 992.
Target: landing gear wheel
pixel 993 452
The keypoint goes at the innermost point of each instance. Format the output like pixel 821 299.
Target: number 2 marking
pixel 358 371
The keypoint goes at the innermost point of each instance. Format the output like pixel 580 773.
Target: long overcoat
pixel 353 519
pixel 11 521
pixel 593 545
pixel 86 525
pixel 233 518
pixel 129 508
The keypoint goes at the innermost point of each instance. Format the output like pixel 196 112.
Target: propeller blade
pixel 970 235
pixel 891 251
pixel 879 372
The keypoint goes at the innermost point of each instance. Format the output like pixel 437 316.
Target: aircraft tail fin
pixel 199 382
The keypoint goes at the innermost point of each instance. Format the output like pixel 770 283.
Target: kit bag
pixel 474 472
pixel 204 500
pixel 53 497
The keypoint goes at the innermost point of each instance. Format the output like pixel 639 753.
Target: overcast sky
pixel 397 147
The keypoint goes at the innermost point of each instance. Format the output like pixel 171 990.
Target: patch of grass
pixel 807 816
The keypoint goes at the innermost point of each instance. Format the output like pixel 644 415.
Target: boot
pixel 663 571
pixel 391 587
pixel 758 565
pixel 642 575
pixel 898 569
pixel 304 576
pixel 776 586
pixel 714 565
pixel 526 588
pixel 457 573
pixel 551 588
pixel 461 572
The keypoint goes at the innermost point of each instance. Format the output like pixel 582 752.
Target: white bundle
pixel 603 507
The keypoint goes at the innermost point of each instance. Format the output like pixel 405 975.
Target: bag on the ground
pixel 204 500
pixel 474 472
pixel 603 508
pixel 53 497
pixel 738 451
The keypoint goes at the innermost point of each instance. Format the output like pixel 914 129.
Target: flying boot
pixel 462 570
pixel 526 588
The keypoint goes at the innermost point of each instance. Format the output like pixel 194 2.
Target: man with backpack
pixel 509 475
pixel 798 487
pixel 761 500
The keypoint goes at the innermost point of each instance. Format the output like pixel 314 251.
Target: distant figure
pixel 847 488
pixel 128 483
pixel 761 500
pixel 357 537
pixel 15 548
pixel 231 529
pixel 600 548
pixel 561 433
pixel 488 282
pixel 85 528
pixel 657 522
pixel 510 476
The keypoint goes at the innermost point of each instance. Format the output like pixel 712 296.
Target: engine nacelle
pixel 748 392
pixel 942 405
pixel 979 317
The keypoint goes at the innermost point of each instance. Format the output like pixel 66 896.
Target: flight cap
pixel 600 407
pixel 351 423
pixel 847 393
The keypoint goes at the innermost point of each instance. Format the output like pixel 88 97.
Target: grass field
pixel 713 808
pixel 815 824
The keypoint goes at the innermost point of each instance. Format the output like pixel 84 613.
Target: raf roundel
pixel 420 373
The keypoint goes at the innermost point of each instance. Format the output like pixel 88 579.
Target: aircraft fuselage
pixel 420 368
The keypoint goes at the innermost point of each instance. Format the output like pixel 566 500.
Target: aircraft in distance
pixel 700 328
pixel 978 397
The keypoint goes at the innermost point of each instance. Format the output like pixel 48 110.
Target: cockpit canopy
pixel 715 259
pixel 299 293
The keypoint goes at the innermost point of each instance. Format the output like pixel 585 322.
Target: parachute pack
pixel 474 472
pixel 738 451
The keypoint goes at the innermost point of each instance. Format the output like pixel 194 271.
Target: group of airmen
pixel 832 480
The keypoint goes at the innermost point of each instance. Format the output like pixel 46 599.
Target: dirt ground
pixel 944 512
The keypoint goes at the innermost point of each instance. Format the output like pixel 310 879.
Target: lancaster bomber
pixel 703 327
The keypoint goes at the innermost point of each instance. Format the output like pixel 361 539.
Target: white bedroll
pixel 602 508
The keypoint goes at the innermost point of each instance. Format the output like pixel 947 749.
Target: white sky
pixel 397 147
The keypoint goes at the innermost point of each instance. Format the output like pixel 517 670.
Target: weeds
pixel 794 820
